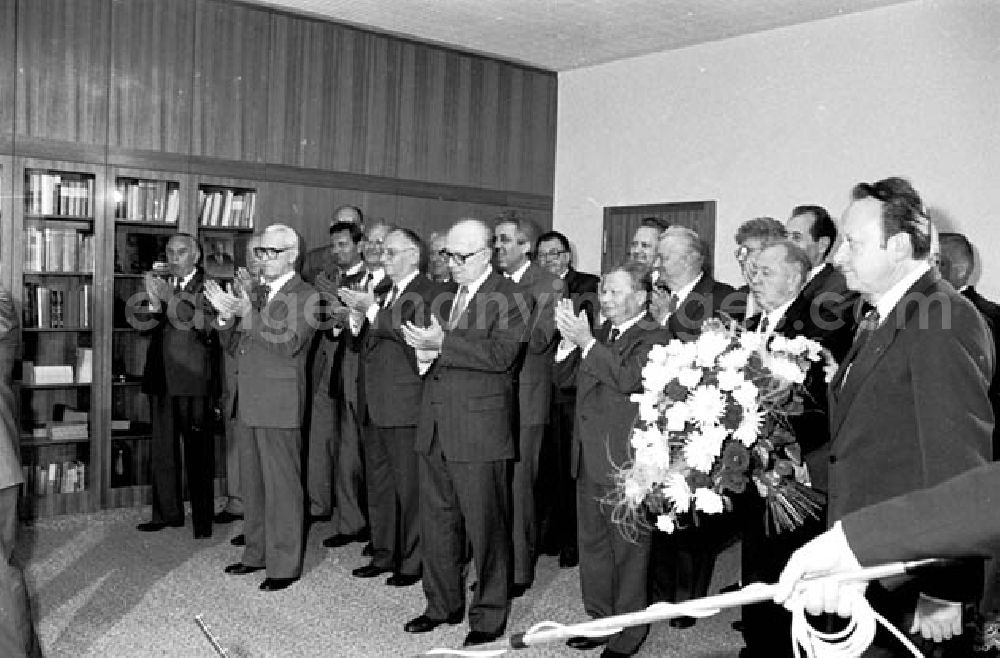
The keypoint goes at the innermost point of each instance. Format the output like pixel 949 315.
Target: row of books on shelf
pixel 56 477
pixel 57 306
pixel 148 201
pixel 80 373
pixel 64 430
pixel 54 194
pixel 227 208
pixel 52 249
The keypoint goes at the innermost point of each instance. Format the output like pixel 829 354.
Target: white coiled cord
pixel 847 643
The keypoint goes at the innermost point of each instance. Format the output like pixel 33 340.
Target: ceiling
pixel 561 35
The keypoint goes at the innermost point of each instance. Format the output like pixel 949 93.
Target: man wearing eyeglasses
pixel 751 238
pixel 390 408
pixel 271 338
pixel 559 491
pixel 465 439
pixel 513 241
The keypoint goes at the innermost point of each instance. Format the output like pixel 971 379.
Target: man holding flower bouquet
pixel 606 370
pixel 777 285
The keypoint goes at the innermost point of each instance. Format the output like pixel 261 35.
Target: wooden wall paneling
pixel 301 91
pixel 517 115
pixel 230 81
pixel 486 139
pixel 305 208
pixel 412 112
pixel 6 221
pixel 152 73
pixel 383 107
pixel 540 129
pixel 8 59
pixel 433 167
pixel 62 70
pixel 461 164
pixel 349 70
pixel 504 115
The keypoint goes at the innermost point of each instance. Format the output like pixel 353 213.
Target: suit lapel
pixel 864 356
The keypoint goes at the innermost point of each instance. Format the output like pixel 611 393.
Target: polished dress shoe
pixel 240 569
pixel 479 637
pixel 682 622
pixel 518 590
pixel 611 653
pixel 585 643
pixel 424 624
pixel 568 558
pixel 156 526
pixel 239 540
pixel 338 540
pixel 275 584
pixel 225 516
pixel 369 571
pixel 402 580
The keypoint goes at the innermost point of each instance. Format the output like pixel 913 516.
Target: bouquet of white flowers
pixel 713 420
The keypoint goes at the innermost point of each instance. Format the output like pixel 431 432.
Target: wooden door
pixel 620 223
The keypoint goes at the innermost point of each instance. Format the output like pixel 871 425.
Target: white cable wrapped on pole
pixel 852 641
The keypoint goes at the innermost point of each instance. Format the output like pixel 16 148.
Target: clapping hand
pixel 244 281
pixel 157 289
pixel 574 327
pixel 424 338
pixel 227 304
pixel 326 285
pixel 357 300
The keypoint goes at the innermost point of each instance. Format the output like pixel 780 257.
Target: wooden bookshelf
pixel 57 225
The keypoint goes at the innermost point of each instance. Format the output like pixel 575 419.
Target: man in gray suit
pixel 17 635
pixel 271 339
pixel 513 241
pixel 465 440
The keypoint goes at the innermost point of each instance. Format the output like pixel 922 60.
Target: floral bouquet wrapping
pixel 713 421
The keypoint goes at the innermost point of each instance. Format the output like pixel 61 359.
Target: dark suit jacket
pixel 953 519
pixel 539 288
pixel 910 409
pixel 812 426
pixel 393 386
pixel 604 381
pixel 707 299
pixel 271 348
pixel 10 469
pixel 469 391
pixel 991 313
pixel 182 358
pixel 582 289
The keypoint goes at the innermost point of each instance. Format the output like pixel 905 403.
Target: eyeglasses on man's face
pixel 269 253
pixel 551 253
pixel 392 253
pixel 460 259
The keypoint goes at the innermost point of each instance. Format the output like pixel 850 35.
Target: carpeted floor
pixel 100 588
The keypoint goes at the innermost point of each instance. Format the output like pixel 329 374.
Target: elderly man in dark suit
pixel 909 405
pixel 777 285
pixel 17 634
pixel 954 519
pixel 271 339
pixel 466 441
pixel 686 296
pixel 607 369
pixel 958 260
pixel 390 407
pixel 558 489
pixel 513 242
pixel 181 377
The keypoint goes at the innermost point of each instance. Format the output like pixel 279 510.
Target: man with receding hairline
pixel 180 377
pixel 465 440
pixel 270 336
